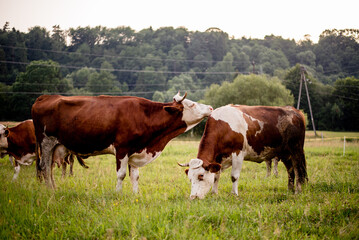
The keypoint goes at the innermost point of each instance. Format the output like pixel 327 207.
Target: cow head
pixel 201 177
pixel 4 133
pixel 193 112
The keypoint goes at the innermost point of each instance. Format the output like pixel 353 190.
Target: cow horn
pixel 183 164
pixel 185 95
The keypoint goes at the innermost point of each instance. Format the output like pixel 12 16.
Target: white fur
pixel 28 159
pixel 199 187
pixel 194 112
pixel 3 140
pixel 143 158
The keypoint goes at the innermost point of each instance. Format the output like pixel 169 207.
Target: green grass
pixel 87 206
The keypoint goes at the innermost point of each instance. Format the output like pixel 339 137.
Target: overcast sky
pixel 238 18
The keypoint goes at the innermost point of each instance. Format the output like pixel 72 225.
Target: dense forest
pixel 211 66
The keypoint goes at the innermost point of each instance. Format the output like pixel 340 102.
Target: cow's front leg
pixel 121 172
pixel 134 176
pixel 215 184
pixel 237 162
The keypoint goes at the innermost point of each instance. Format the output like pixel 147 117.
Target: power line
pixel 122 70
pixel 115 56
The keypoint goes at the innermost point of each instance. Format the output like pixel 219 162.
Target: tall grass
pixel 87 206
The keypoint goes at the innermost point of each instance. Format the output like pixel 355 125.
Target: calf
pixel 234 133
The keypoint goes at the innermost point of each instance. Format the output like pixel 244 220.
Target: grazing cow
pixel 134 129
pixel 234 133
pixel 19 143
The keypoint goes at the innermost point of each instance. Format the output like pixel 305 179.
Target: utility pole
pixel 254 67
pixel 302 79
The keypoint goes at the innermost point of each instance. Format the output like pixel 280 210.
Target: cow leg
pixel 71 160
pixel 121 172
pixel 291 175
pixel 16 169
pixel 11 159
pixel 134 176
pixel 46 161
pixel 237 162
pixel 215 184
pixel 300 170
pixel 275 166
pixel 64 166
pixel 269 167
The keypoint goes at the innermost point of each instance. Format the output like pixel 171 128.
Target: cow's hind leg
pixel 134 176
pixel 300 170
pixel 46 162
pixel 237 162
pixel 121 171
pixel 291 175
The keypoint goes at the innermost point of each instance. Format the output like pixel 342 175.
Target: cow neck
pixel 207 150
pixel 165 126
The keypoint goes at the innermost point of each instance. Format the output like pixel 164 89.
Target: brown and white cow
pixel 134 129
pixel 19 143
pixel 234 133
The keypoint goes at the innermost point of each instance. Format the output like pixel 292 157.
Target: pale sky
pixel 238 18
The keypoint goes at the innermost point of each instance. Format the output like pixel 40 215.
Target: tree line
pixel 211 66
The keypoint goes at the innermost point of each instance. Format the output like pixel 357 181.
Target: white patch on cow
pixel 27 159
pixel 233 117
pixel 3 140
pixel 237 162
pixel 143 158
pixel 121 173
pixel 134 175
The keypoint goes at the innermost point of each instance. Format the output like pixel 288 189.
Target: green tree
pixel 39 78
pixel 249 90
pixel 346 92
pixel 222 71
pixel 103 82
pixel 272 60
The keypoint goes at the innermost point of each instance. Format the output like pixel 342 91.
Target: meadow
pixel 86 206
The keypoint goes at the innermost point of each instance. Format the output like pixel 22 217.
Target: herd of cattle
pixel 136 131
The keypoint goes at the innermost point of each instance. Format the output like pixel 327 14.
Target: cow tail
pixel 81 161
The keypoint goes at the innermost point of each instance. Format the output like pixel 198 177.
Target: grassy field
pixel 86 206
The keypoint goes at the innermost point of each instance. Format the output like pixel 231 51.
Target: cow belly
pixel 143 158
pixel 27 159
pixel 252 156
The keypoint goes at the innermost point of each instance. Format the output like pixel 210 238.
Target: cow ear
pixel 214 167
pixel 186 171
pixel 7 132
pixel 172 109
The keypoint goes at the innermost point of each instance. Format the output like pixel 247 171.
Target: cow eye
pixel 200 177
